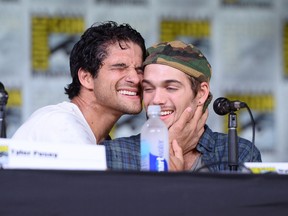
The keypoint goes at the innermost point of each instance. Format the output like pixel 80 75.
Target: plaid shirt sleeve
pixel 123 153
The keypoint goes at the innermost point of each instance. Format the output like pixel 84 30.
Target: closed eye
pixel 140 70
pixel 169 88
pixel 147 88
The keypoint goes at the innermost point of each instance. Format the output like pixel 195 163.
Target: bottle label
pixel 144 155
pixel 151 160
pixel 158 163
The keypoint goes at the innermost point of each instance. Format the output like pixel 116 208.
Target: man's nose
pixel 159 97
pixel 134 77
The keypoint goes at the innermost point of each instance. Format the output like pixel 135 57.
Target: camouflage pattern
pixel 184 57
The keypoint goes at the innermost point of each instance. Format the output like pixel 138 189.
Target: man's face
pixel 117 86
pixel 168 87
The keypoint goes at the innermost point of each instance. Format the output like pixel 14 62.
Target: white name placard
pixel 17 154
pixel 266 167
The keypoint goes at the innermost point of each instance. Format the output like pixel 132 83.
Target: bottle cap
pixel 154 109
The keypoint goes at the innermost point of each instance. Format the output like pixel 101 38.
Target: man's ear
pixel 203 93
pixel 85 79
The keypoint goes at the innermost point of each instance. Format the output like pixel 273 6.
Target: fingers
pixel 198 113
pixel 177 150
pixel 185 117
pixel 188 128
pixel 189 117
pixel 176 162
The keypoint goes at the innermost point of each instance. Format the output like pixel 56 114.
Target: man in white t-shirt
pixel 106 70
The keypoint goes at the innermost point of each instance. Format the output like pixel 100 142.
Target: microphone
pixel 222 106
pixel 3 95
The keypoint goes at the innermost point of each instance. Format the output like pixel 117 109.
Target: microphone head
pixel 3 95
pixel 221 106
pixel 1 87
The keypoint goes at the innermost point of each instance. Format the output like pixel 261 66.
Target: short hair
pixel 195 84
pixel 91 50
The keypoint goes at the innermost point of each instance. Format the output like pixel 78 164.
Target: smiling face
pixel 170 88
pixel 117 86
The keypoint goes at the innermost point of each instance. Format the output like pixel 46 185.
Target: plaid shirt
pixel 124 153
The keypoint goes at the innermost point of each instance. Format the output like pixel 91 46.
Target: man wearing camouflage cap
pixel 176 76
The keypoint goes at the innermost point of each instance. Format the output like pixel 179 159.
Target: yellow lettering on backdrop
pixel 42 27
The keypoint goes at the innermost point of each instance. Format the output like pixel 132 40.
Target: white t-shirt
pixel 61 123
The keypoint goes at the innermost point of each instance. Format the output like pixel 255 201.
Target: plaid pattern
pixel 214 149
pixel 124 153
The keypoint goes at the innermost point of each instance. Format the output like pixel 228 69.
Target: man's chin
pixel 134 110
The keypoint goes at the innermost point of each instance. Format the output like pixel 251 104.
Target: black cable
pixel 253 133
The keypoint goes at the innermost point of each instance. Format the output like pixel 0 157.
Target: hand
pixel 188 129
pixel 176 160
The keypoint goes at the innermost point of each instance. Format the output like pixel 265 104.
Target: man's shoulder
pixel 212 139
pixel 218 142
pixel 54 121
pixel 61 112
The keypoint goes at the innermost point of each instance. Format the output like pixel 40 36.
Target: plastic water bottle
pixel 154 142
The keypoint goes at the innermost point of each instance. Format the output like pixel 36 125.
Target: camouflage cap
pixel 184 57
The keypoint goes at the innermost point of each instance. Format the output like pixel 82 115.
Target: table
pixel 51 192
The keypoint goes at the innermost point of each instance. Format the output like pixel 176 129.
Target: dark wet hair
pixel 91 50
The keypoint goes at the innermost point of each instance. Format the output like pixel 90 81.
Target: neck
pixel 98 117
pixel 190 158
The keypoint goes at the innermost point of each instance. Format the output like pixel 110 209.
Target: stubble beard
pixel 131 109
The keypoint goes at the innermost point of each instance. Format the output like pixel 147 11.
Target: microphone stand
pixel 3 102
pixel 232 142
pixel 2 123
